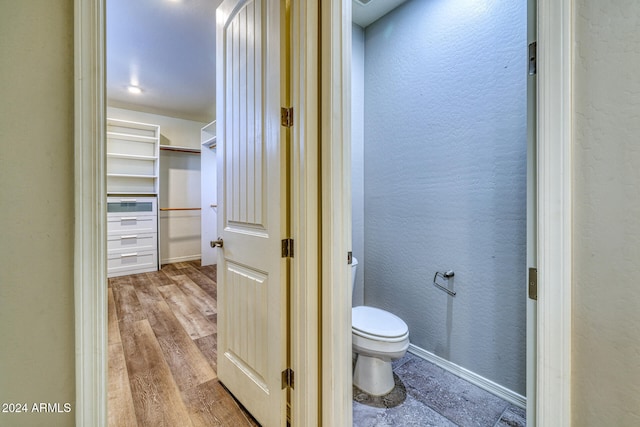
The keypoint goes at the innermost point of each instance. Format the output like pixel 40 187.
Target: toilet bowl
pixel 378 338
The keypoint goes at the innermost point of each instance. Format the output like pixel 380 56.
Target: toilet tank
pixel 354 265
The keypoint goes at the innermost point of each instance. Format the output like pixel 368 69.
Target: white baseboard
pixel 485 384
pixel 180 259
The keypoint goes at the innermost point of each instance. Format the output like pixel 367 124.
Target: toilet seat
pixel 376 324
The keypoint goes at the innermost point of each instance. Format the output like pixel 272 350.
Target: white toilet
pixel 378 338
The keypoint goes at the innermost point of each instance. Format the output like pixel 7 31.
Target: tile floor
pixel 427 395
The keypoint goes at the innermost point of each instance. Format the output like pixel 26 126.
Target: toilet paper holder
pixel 446 276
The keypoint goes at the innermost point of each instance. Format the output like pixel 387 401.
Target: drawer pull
pixel 133 236
pixel 129 218
pixel 129 255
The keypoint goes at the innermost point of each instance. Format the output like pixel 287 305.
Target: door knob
pixel 217 243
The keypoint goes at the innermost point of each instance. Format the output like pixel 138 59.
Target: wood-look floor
pixel 162 351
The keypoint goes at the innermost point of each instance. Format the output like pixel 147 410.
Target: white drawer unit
pixel 132 235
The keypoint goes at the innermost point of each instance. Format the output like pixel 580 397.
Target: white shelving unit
pixel 133 162
pixel 132 157
pixel 208 188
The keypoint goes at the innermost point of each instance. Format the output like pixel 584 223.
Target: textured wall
pixel 357 158
pixel 606 316
pixel 36 210
pixel 445 178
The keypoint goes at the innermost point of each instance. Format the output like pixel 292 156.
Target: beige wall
pixel 36 209
pixel 606 342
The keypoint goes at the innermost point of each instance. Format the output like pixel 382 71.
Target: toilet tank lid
pixel 374 321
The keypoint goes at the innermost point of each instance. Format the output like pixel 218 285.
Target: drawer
pixel 131 263
pixel 131 206
pixel 119 243
pixel 132 224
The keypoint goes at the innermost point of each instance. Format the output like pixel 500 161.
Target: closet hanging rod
pixel 180 149
pixel 180 209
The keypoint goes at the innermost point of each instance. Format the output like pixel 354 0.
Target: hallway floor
pixel 427 395
pixel 162 351
pixel 162 366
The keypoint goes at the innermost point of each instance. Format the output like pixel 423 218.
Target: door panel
pixel 251 272
pixel 532 220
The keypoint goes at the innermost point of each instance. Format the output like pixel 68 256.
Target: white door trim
pixel 532 222
pixel 335 223
pixel 305 216
pixel 555 173
pixel 90 223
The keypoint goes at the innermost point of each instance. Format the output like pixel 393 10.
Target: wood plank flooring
pixel 162 351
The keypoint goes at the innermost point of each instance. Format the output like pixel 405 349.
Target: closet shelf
pixel 131 137
pixel 130 193
pixel 210 142
pixel 208 135
pixel 127 175
pixel 131 156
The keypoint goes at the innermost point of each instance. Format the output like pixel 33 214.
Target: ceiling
pixel 167 48
pixel 366 12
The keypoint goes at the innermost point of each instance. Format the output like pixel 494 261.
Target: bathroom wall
pixel 357 158
pixel 37 346
pixel 445 178
pixel 606 227
pixel 179 183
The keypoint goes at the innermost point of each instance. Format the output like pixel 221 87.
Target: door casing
pixel 321 215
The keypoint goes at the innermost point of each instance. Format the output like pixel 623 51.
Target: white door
pixel 251 221
pixel 532 220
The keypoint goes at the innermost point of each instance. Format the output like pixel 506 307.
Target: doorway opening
pixel 439 184
pixel 161 297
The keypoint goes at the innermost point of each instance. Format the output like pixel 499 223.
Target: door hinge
pixel 533 55
pixel 349 257
pixel 286 116
pixel 533 283
pixel 287 378
pixel 287 248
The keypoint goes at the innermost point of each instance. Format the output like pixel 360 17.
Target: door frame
pixel 90 284
pixel 554 224
pixel 322 206
pixel 532 232
pixel 90 272
pixel 554 207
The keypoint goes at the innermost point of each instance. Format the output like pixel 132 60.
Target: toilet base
pixel 373 375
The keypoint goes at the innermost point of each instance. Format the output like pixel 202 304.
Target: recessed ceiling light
pixel 134 89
